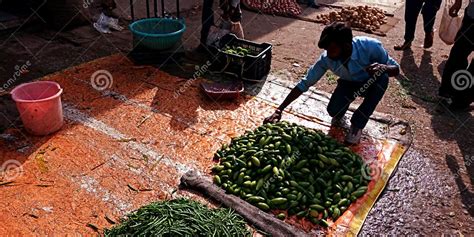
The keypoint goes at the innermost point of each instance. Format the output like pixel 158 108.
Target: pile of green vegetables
pixel 237 50
pixel 289 167
pixel 180 217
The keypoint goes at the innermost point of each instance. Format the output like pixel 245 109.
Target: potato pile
pixel 362 17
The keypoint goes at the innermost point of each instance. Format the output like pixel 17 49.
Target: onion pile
pixel 362 17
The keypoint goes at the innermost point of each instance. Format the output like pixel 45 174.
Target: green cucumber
pixel 217 168
pixel 217 179
pixel 358 193
pixel 266 169
pixel 314 213
pixel 263 206
pixel 255 199
pixel 255 161
pixel 278 201
pixel 346 177
pixel 317 207
pixel 281 216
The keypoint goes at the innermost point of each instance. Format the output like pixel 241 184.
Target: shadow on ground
pixel 447 125
pixel 48 49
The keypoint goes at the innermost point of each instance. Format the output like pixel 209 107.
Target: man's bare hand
pixel 454 9
pixel 236 28
pixel 275 117
pixel 376 68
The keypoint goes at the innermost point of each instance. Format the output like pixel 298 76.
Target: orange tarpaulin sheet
pixel 387 159
pixel 127 140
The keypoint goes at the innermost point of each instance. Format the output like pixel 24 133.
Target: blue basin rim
pixel 131 27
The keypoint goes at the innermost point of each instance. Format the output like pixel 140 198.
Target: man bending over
pixel 363 67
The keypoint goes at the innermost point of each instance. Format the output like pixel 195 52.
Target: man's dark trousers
pixel 458 60
pixel 346 92
pixel 207 18
pixel 428 9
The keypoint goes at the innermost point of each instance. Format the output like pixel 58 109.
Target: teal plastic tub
pixel 157 33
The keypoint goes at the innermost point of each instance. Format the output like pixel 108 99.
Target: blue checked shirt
pixel 365 51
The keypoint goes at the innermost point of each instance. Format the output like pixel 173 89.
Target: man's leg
pixel 430 8
pixel 465 95
pixel 457 59
pixel 373 95
pixel 313 4
pixel 207 20
pixel 469 93
pixel 412 10
pixel 341 98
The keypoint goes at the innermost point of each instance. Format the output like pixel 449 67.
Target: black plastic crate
pixel 252 67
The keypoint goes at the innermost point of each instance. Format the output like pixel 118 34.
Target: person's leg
pixel 207 20
pixel 430 8
pixel 108 7
pixel 464 95
pixel 470 91
pixel 313 4
pixel 373 95
pixel 412 10
pixel 341 98
pixel 457 59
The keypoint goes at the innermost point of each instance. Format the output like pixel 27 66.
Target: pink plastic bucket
pixel 39 105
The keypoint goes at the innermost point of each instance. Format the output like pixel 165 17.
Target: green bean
pixel 180 217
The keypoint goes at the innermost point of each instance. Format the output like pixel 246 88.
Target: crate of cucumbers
pixel 245 59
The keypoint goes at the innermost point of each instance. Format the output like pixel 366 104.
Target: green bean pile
pixel 180 217
pixel 289 167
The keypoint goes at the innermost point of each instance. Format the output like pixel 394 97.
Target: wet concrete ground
pixel 415 200
pixel 431 193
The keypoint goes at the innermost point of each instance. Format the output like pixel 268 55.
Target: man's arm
pixel 383 63
pixel 377 69
pixel 392 70
pixel 294 94
pixel 235 18
pixel 276 116
pixel 314 74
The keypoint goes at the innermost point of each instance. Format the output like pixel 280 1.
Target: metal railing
pixel 155 8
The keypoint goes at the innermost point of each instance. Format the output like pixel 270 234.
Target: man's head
pixel 336 39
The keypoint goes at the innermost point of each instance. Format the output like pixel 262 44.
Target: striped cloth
pixel 275 7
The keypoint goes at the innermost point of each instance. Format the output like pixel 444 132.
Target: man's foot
pixel 453 106
pixel 459 106
pixel 428 40
pixel 198 56
pixel 339 121
pixel 406 45
pixel 314 5
pixel 353 136
pixel 201 49
pixel 444 94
